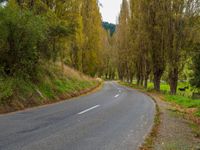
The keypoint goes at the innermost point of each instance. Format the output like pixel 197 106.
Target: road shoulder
pixel 174 132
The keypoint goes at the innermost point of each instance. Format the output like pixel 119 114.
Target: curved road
pixel 114 118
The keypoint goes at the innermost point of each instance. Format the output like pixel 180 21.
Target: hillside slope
pixel 52 84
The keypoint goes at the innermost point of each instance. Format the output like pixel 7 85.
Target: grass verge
pixel 150 139
pixel 188 104
pixel 52 85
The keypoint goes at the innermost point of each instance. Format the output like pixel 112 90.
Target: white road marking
pixel 82 112
pixel 116 95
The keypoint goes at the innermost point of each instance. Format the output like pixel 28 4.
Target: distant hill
pixel 109 27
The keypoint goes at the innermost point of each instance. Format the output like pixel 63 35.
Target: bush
pixel 20 32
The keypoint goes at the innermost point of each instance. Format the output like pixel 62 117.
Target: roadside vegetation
pixel 42 43
pixel 53 85
pixel 182 99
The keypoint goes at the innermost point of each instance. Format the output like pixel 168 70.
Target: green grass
pixel 71 85
pixel 185 102
pixel 46 90
pixel 5 89
pixel 17 93
pixel 165 88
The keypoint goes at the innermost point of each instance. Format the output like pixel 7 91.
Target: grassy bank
pixel 185 102
pixel 51 85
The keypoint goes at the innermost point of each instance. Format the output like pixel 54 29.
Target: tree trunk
pixel 173 80
pixel 138 79
pixel 142 80
pixel 147 73
pixel 157 82
pixel 106 75
pixel 146 83
pixel 120 74
pixel 131 78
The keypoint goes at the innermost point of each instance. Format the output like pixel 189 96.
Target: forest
pixel 154 41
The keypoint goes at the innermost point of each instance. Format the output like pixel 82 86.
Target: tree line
pixel 33 32
pixel 155 40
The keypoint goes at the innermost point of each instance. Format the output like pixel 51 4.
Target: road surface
pixel 114 118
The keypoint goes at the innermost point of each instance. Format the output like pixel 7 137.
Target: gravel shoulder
pixel 175 132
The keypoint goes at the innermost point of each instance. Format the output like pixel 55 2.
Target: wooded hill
pixel 110 27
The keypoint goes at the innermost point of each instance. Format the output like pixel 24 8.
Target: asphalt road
pixel 114 118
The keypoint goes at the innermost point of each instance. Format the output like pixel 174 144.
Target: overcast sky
pixel 110 10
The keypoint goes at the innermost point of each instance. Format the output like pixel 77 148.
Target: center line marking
pixel 116 95
pixel 82 112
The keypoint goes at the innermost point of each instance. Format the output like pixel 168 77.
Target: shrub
pixel 20 32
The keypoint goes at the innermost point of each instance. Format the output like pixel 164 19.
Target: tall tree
pixel 139 28
pixel 123 40
pixel 76 39
pixel 92 26
pixel 180 15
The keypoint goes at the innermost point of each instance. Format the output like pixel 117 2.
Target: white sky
pixel 110 10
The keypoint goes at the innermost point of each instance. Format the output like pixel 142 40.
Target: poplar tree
pixel 180 21
pixel 76 39
pixel 92 26
pixel 123 40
